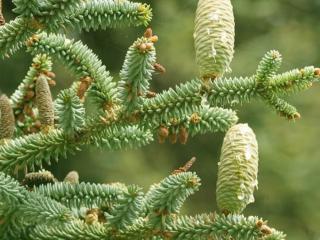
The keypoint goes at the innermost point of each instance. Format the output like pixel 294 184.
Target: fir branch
pixel 136 73
pixel 70 112
pixel 268 67
pixel 14 34
pixel 70 231
pixel 34 149
pixel 36 209
pixel 101 14
pixel 116 138
pixel 41 64
pixel 27 8
pixel 211 120
pixel 83 194
pixel 294 81
pixel 205 226
pixel 46 13
pixel 10 190
pixel 172 103
pixel 283 108
pixel 232 91
pixel 167 197
pixel 76 56
pixel 129 208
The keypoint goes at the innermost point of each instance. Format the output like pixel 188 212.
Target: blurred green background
pixel 288 195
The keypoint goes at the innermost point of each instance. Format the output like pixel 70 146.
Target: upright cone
pixel 7 121
pixel 238 169
pixel 214 37
pixel 44 102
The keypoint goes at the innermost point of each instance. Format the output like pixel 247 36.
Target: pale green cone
pixel 214 37
pixel 238 169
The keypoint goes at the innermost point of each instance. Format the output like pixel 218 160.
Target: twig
pixel 186 167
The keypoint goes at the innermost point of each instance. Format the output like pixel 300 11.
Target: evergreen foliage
pixel 35 129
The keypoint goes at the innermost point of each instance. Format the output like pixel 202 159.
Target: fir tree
pixel 37 129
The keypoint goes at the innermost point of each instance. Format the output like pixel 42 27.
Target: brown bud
pixel 7 121
pixel 149 45
pixel 35 38
pixel 37 124
pixel 142 47
pixel 150 94
pixel 21 117
pixel 195 118
pixel 259 223
pixel 95 215
pixel 2 20
pixel 29 95
pixel 83 87
pixel 266 230
pixel 317 72
pixel 52 83
pixel 159 68
pixel 296 116
pixel 50 74
pixel 183 135
pixel 44 102
pixel 148 33
pixel 154 39
pixel 163 133
pixel 91 218
pixel 72 177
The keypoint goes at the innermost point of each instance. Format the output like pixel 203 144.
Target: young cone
pixel 238 169
pixel 44 102
pixel 214 37
pixel 72 177
pixel 7 122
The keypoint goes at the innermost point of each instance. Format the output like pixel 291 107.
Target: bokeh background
pixel 289 179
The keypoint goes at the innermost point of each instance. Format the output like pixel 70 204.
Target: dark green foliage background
pixel 289 178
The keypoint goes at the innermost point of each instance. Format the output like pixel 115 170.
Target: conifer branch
pixel 70 112
pixel 14 34
pixel 216 226
pixel 130 207
pixel 83 194
pixel 70 231
pixel 76 56
pixel 34 149
pixel 41 64
pixel 136 73
pixel 167 197
pixel 102 14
